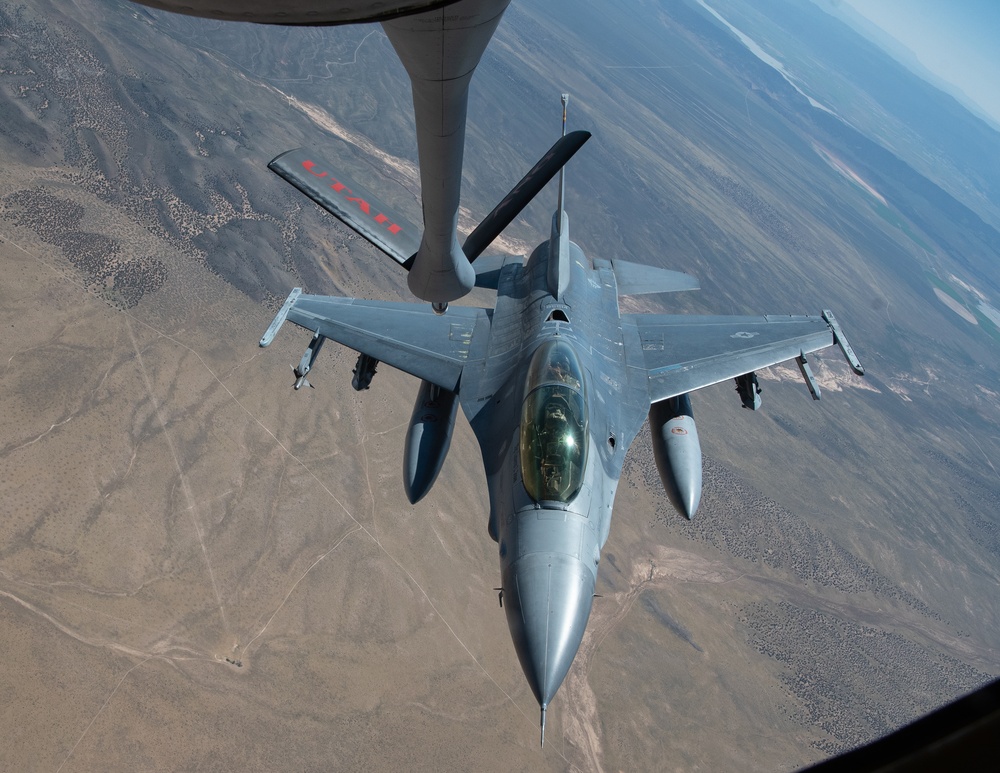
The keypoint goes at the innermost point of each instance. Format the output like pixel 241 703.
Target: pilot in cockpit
pixel 559 370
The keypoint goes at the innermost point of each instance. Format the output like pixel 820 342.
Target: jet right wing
pixel 408 336
pixel 683 353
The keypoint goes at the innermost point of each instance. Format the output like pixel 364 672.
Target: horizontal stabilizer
pixel 637 279
pixel 349 202
pixel 531 184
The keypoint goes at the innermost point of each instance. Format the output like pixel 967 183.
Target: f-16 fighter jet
pixel 555 381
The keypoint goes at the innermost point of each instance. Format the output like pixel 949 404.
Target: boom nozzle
pixel 542 722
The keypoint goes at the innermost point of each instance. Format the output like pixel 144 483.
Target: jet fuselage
pixel 553 435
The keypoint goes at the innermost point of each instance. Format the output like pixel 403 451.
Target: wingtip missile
pixel 841 340
pixel 280 317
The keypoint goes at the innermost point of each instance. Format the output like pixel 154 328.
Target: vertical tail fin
pixel 558 263
pixel 562 172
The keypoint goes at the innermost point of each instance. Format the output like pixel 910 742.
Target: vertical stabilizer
pixel 558 265
pixel 562 172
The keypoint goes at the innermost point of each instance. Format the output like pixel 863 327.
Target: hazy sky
pixel 958 40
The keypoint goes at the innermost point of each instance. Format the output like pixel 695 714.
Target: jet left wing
pixel 408 336
pixel 683 353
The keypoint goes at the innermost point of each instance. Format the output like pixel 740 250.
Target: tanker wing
pixel 343 198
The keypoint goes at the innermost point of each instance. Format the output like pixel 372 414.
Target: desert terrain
pixel 202 570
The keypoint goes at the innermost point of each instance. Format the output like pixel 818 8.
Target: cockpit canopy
pixel 553 424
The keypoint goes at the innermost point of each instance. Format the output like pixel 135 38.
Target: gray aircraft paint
pixel 549 550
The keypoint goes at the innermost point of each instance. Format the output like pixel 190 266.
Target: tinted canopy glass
pixel 553 425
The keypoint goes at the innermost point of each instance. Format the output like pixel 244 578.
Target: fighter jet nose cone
pixel 548 601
